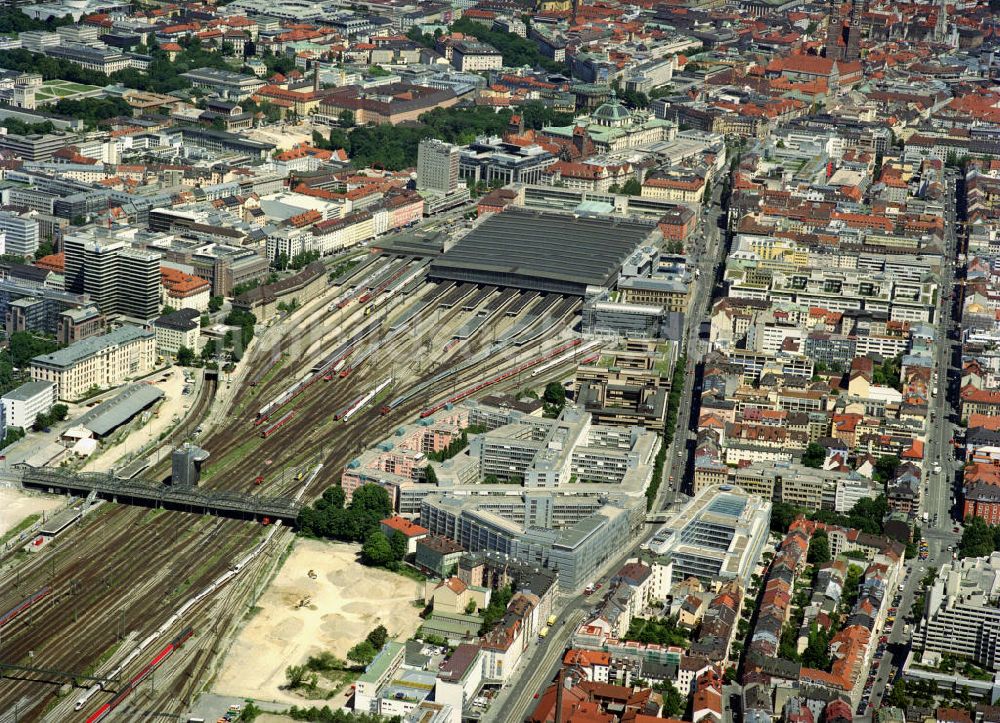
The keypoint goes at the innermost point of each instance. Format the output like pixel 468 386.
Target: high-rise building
pixel 437 166
pixel 100 273
pixel 120 279
pixel 20 232
pixel 139 283
pixel 72 245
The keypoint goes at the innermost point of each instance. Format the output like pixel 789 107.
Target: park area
pixel 53 91
pixel 323 601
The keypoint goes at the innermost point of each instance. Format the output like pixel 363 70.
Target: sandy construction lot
pixel 286 136
pixel 345 601
pixel 16 505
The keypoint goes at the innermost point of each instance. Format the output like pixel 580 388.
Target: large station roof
pixel 543 251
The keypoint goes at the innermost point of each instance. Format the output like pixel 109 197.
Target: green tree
pixel 897 697
pixel 372 498
pixel 674 704
pixel 978 539
pixel 632 187
pixel 13 435
pixel 45 248
pixel 555 395
pixel 814 456
pixel 215 304
pixel 363 653
pixel 58 412
pixel 819 549
pixel 25 346
pixel 398 543
pixel 868 515
pixel 185 356
pixel 782 516
pixel 377 551
pixel 295 674
pixel 470 607
pixel 378 637
pixel 885 467
pixel 497 607
pixel 346 118
pixel 817 652
pixel 430 475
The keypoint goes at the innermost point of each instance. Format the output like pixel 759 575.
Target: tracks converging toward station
pixel 126 570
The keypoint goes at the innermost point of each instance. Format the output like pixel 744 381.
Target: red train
pixel 501 377
pixel 102 712
pixel 24 605
pixel 277 425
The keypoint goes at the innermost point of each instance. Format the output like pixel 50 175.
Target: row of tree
pixel 395 147
pixel 297 262
pixel 46 419
pixel 357 522
pixel 867 515
pixel 669 429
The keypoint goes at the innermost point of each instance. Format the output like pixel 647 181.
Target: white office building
pixel 962 617
pixel 437 166
pixel 20 232
pixel 719 535
pixel 22 405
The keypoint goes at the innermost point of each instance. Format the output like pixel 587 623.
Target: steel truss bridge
pixel 137 491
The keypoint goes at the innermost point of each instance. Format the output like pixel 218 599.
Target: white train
pixel 224 578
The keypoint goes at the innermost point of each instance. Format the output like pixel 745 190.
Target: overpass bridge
pixel 136 491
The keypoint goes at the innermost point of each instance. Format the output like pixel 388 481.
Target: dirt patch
pixel 300 616
pixel 16 506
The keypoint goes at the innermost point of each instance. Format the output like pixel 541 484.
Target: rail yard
pixel 103 601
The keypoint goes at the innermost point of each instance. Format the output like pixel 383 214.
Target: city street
pixel 940 531
pixel 540 666
pixel 706 259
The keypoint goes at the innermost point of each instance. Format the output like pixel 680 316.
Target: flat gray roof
pixel 59 522
pixel 28 390
pixel 113 413
pixel 543 251
pixel 85 348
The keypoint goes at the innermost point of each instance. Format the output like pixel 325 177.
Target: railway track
pixel 102 580
pixel 142 562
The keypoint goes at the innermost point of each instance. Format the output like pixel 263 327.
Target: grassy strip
pixel 104 657
pixel 20 527
pixel 227 459
pixel 252 392
pixel 669 429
